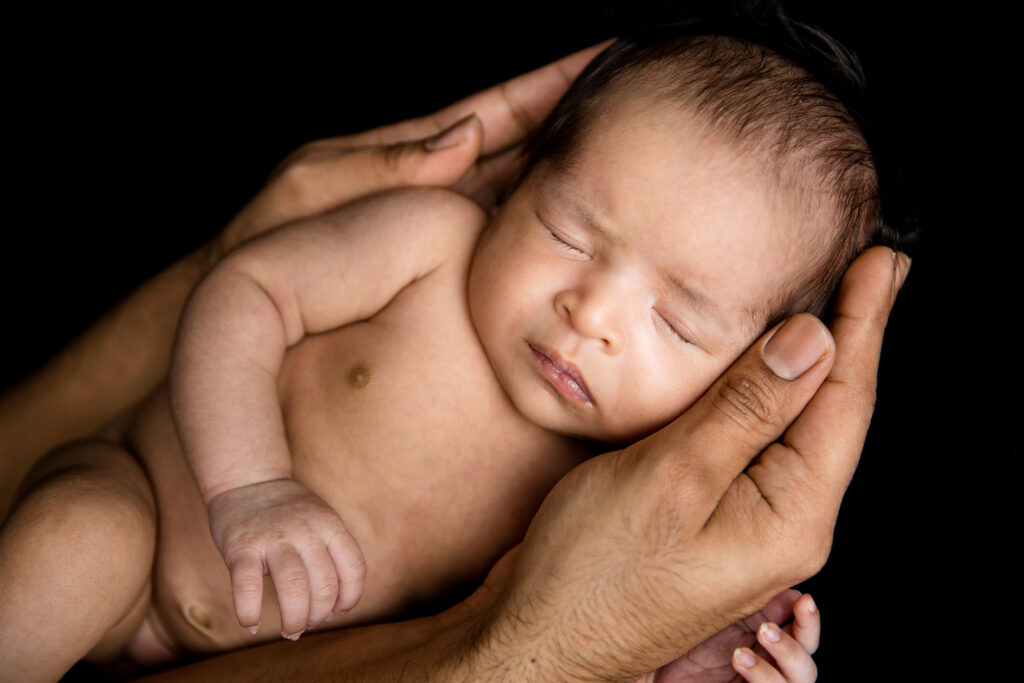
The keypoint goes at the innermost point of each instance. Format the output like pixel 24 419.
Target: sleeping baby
pixel 366 408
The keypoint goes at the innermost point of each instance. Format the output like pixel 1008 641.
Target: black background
pixel 134 138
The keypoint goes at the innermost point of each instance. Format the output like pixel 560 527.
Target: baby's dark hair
pixel 775 88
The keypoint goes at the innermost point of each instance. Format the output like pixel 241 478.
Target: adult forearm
pixel 112 365
pixel 436 648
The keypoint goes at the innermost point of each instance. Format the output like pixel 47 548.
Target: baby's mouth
pixel 562 375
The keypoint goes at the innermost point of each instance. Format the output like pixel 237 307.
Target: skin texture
pixel 638 555
pixel 859 375
pixel 642 270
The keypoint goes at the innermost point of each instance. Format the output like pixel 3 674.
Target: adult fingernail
pixel 771 632
pixel 452 136
pixel 744 657
pixel 796 346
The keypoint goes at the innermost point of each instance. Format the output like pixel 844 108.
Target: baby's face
pixel 608 297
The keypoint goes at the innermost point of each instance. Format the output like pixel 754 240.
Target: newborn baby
pixel 371 404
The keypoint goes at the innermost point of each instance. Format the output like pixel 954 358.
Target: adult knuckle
pixel 296 158
pixel 390 159
pixel 299 179
pixel 517 113
pixel 748 400
pixel 815 554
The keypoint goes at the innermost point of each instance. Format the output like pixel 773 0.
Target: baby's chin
pixel 612 435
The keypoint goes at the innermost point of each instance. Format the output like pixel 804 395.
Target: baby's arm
pixel 306 278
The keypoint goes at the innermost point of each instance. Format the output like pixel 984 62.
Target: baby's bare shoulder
pixel 434 219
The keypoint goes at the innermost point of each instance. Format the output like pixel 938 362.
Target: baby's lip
pixel 565 376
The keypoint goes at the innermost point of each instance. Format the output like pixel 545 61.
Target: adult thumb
pixel 748 407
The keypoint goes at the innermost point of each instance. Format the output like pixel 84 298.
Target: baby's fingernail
pixel 253 630
pixel 744 657
pixel 291 636
pixel 452 136
pixel 796 346
pixel 811 607
pixel 771 632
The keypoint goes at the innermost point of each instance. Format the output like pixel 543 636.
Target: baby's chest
pixel 411 379
pixel 399 423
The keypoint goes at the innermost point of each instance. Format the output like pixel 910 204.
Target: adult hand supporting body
pixel 657 546
pixel 638 555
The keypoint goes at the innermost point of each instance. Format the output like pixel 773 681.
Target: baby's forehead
pixel 706 211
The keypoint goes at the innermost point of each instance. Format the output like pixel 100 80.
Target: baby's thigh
pixel 78 551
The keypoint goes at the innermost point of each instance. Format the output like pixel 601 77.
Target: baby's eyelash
pixel 673 329
pixel 576 251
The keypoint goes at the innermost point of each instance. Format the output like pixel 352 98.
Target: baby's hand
pixel 283 529
pixel 720 657
pixel 791 648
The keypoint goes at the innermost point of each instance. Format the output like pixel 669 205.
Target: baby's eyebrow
pixel 592 224
pixel 700 301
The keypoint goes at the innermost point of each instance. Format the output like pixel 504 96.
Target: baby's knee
pixel 92 490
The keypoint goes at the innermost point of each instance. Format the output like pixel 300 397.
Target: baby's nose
pixel 596 311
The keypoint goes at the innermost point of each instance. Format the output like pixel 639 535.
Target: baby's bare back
pixel 397 422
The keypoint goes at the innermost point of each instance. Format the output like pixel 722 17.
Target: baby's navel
pixel 197 615
pixel 359 375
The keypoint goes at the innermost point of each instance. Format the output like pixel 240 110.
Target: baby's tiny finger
pixel 795 663
pixel 247 588
pixel 753 668
pixel 323 584
pixel 806 623
pixel 289 575
pixel 351 567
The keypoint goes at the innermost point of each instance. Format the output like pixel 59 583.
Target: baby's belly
pixel 430 512
pixel 192 602
pixel 193 608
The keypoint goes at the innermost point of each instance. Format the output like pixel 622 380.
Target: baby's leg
pixel 76 556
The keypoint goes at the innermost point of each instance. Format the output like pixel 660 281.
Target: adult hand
pixel 639 555
pixel 471 145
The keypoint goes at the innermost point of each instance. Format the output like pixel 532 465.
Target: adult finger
pixel 744 410
pixel 289 575
pixel 246 569
pixel 829 434
pixel 316 179
pixel 508 111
